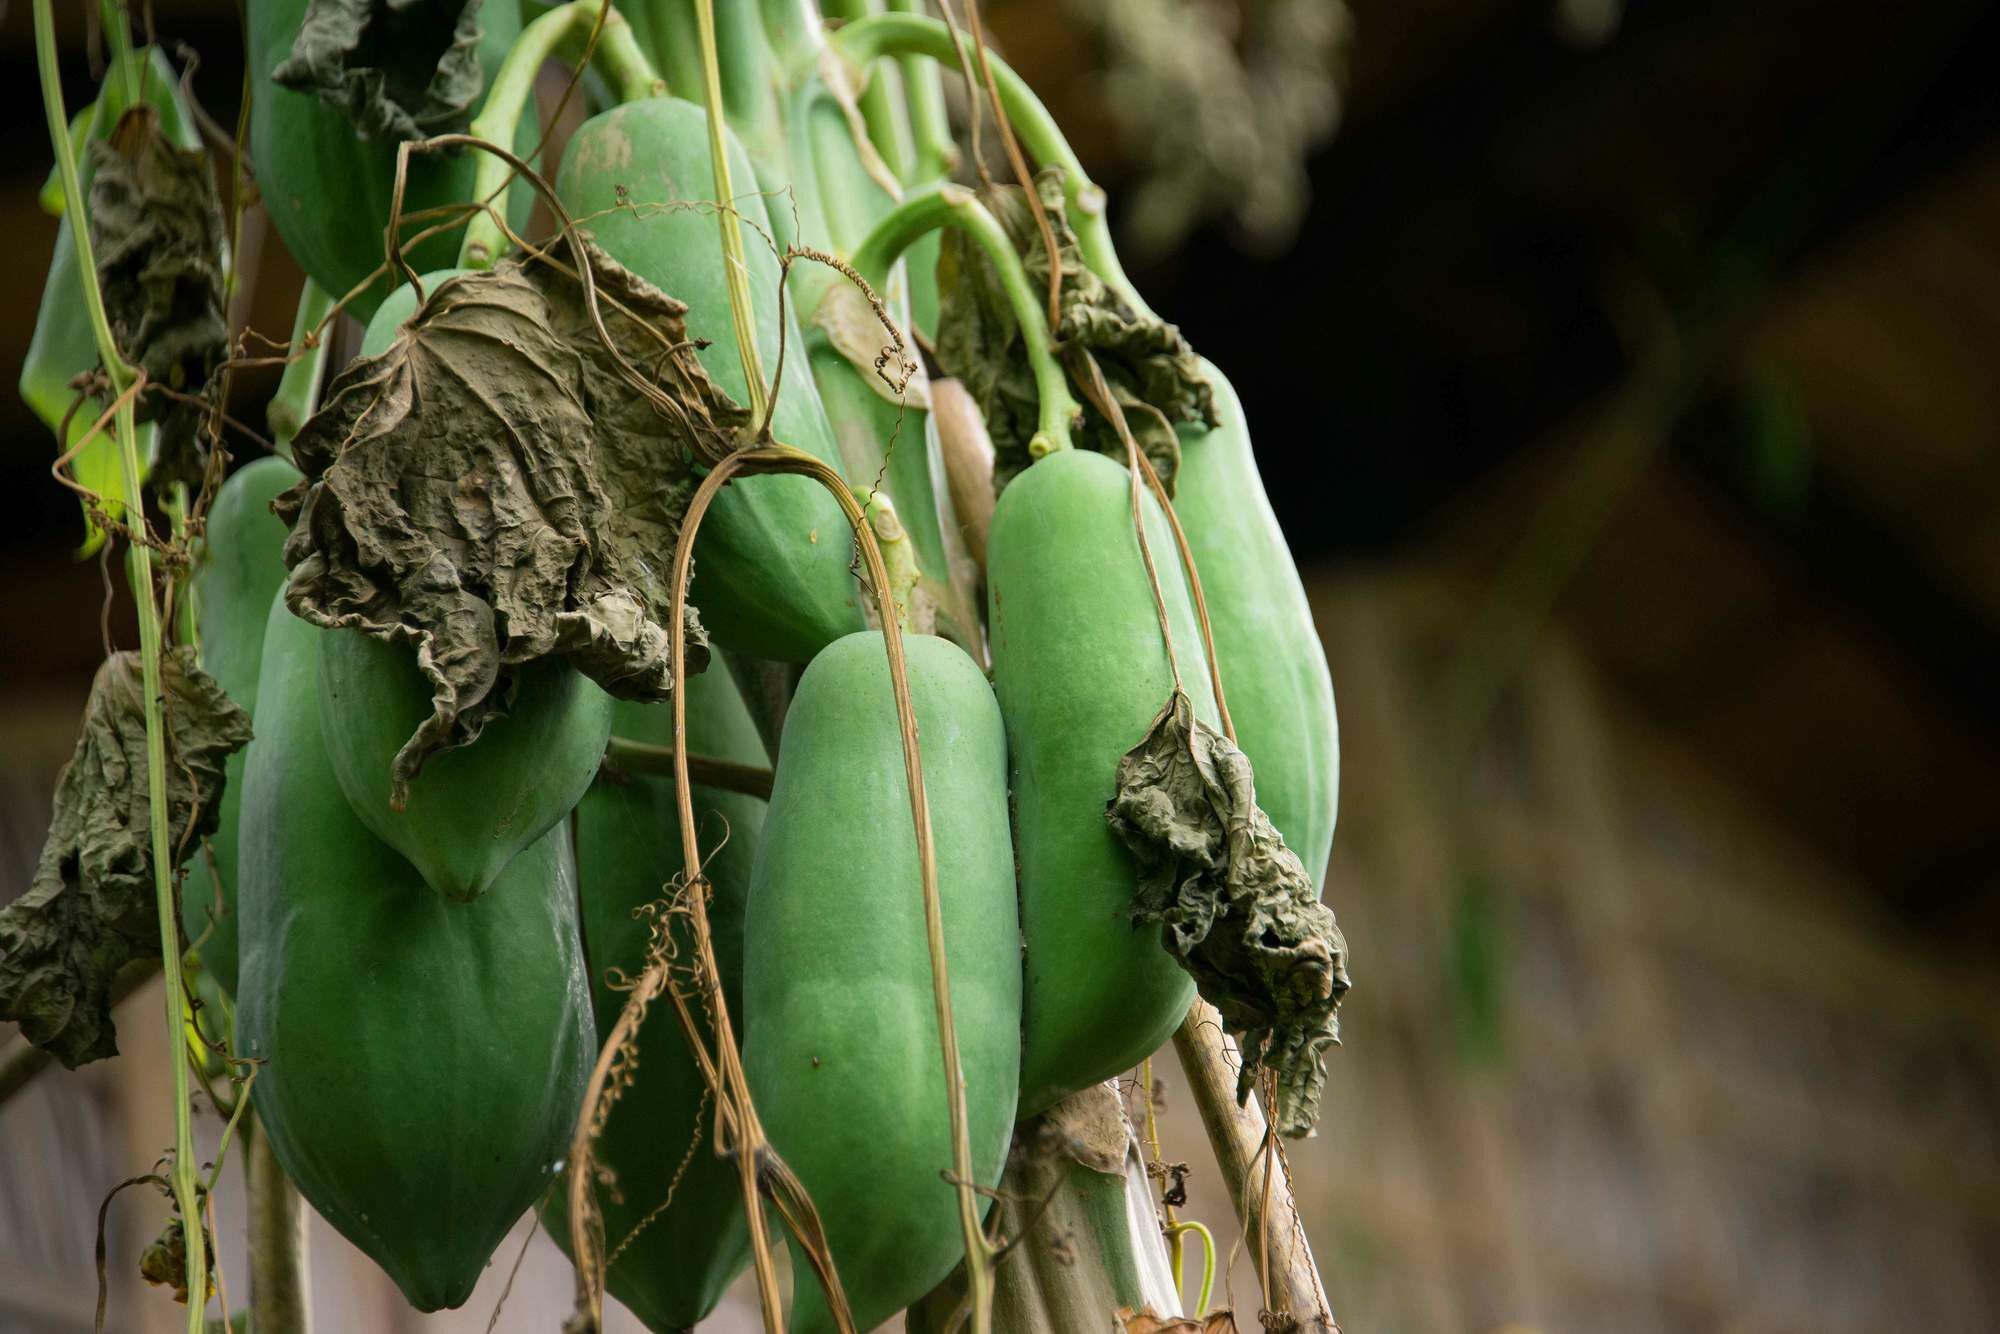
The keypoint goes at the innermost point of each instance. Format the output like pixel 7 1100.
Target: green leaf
pixel 493 490
pixel 398 69
pixel 1239 911
pixel 1152 372
pixel 51 197
pixel 91 908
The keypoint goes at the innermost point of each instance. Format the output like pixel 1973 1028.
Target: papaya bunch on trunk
pixel 649 769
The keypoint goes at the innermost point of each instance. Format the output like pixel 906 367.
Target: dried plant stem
pixel 139 573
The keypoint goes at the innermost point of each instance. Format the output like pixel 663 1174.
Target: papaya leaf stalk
pixel 139 573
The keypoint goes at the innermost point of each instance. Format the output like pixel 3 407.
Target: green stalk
pixel 796 37
pixel 954 206
pixel 936 152
pixel 138 571
pixel 735 264
pixel 298 388
pixel 562 30
pixel 871 38
pixel 123 58
pixel 881 101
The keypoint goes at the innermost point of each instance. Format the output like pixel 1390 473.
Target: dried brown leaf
pixel 1239 910
pixel 91 907
pixel 493 490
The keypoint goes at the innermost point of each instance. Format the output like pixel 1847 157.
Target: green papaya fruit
pixel 1081 671
pixel 396 310
pixel 422 1061
pixel 772 559
pixel 1274 671
pixel 241 571
pixel 472 809
pixel 62 345
pixel 328 190
pixel 840 1038
pixel 677 1265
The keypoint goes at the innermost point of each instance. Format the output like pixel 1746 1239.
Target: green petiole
pixel 298 389
pixel 562 30
pixel 866 40
pixel 949 205
pixel 139 573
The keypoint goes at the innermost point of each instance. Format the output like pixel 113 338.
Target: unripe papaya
pixel 840 1033
pixel 1081 670
pixel 772 575
pixel 233 588
pixel 473 808
pixel 327 189
pixel 1273 666
pixel 422 1060
pixel 628 846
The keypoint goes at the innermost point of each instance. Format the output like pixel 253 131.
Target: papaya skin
pixel 327 190
pixel 243 570
pixel 840 1036
pixel 423 1060
pixel 1080 670
pixel 772 561
pixel 628 847
pixel 473 808
pixel 1274 671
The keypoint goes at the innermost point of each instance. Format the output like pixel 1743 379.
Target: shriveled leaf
pixel 1151 371
pixel 156 230
pixel 1239 910
pixel 90 908
pixel 62 346
pixel 492 490
pixel 398 69
pixel 164 1261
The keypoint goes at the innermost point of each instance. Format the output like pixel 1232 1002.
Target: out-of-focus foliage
pixel 1226 99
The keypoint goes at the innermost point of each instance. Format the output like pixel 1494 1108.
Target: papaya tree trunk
pixel 1077 1218
pixel 280 1277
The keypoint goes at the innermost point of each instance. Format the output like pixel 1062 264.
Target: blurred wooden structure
pixel 1621 1055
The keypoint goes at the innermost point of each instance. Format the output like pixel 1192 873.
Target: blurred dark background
pixel 1627 378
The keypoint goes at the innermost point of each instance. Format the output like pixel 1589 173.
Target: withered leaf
pixel 91 908
pixel 1239 910
pixel 398 69
pixel 492 490
pixel 156 229
pixel 1150 369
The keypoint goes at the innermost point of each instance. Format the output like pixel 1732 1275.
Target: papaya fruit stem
pixel 936 152
pixel 880 35
pixel 948 205
pixel 298 387
pixel 598 35
pixel 735 265
pixel 139 573
pixel 638 757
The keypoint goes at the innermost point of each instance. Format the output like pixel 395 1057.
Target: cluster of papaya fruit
pixel 429 888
